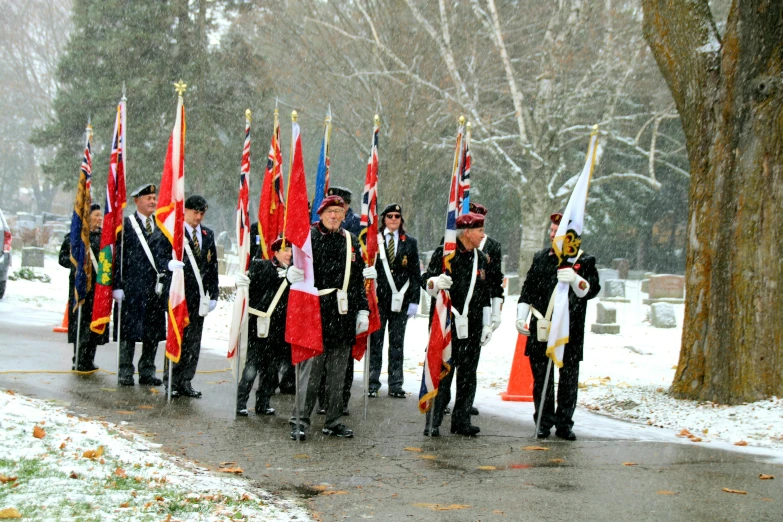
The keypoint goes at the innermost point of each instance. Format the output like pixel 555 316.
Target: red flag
pixel 368 238
pixel 238 329
pixel 170 217
pixel 303 319
pixel 112 226
pixel 271 207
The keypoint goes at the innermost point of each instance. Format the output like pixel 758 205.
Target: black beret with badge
pixel 143 190
pixel 340 191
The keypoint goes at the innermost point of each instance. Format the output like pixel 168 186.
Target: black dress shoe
pixel 87 367
pixel 446 411
pixel 341 430
pixel 346 412
pixel 176 392
pixel 542 433
pixel 150 381
pixel 126 381
pixel 435 432
pixel 188 391
pixel 467 431
pixel 242 412
pixel 372 393
pixel 566 434
pixel 263 408
pixel 300 432
pixel 398 394
pixel 473 410
pixel 321 411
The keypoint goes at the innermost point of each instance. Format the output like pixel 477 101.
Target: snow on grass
pixel 82 469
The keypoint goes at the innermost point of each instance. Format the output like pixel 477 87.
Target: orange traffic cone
pixel 520 382
pixel 64 327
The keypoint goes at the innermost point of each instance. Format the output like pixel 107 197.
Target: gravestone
pixel 33 256
pixel 606 320
pixel 663 315
pixel 614 288
pixel 622 266
pixel 604 274
pixel 667 286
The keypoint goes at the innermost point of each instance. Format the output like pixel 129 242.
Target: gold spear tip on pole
pixel 467 125
pixel 462 120
pixel 294 116
pixel 595 130
pixel 180 87
pixel 377 119
pixel 248 114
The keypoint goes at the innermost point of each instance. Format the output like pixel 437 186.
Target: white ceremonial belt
pixel 326 291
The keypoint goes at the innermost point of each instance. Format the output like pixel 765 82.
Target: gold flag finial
pixel 294 116
pixel 180 87
pixel 467 125
pixel 462 120
pixel 377 119
pixel 248 114
pixel 595 130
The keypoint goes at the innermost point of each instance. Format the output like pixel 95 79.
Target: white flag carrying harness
pixel 397 295
pixel 146 248
pixel 544 323
pixel 263 319
pixel 461 319
pixel 342 294
pixel 203 303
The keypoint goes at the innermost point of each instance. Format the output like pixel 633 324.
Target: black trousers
pixel 286 372
pixel 146 361
pixel 87 350
pixel 465 357
pixel 261 361
pixel 397 321
pixel 323 397
pixel 184 371
pixel 567 388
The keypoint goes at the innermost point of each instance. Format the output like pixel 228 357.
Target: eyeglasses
pixel 393 216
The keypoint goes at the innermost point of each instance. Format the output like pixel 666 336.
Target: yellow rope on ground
pixel 77 372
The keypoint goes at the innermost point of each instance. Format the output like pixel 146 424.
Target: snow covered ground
pixel 623 376
pixel 57 466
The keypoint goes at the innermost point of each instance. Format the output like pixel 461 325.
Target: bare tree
pixel 727 91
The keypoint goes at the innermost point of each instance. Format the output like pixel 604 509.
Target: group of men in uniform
pixel 474 283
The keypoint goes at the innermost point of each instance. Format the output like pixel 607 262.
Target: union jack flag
pixel 437 362
pixel 271 208
pixel 463 196
pixel 237 333
pixel 368 239
pixel 80 228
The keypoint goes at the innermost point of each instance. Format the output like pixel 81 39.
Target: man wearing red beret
pixel 338 269
pixel 540 283
pixel 471 326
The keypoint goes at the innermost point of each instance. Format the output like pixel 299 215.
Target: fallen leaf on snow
pixel 120 473
pixel 694 438
pixel 10 513
pixel 10 392
pixel 145 407
pixel 557 461
pixel 428 457
pixel 73 475
pixel 487 468
pixel 737 491
pixel 497 512
pixel 440 507
pixel 741 443
pixel 125 412
pixel 238 471
pixel 535 448
pixel 418 450
pixel 109 389
pixel 666 492
pixel 5 480
pixel 334 493
pixel 766 477
pixel 226 464
pixel 38 432
pixel 684 433
pixel 629 463
pixel 154 391
pixel 124 505
pixel 93 454
pixel 320 487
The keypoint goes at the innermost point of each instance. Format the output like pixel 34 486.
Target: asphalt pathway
pixel 390 471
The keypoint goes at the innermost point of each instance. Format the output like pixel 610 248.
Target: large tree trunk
pixel 730 98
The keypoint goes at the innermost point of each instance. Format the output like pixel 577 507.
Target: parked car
pixel 5 260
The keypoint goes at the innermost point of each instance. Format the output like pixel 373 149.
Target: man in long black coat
pixel 330 247
pixel 88 340
pixel 139 286
pixel 540 283
pixel 468 268
pixel 201 242
pixel 267 287
pixel 401 255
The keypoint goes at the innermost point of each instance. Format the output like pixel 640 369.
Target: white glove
pixel 523 310
pixel 438 283
pixel 294 275
pixel 281 272
pixel 242 281
pixel 412 309
pixel 176 265
pixel 370 273
pixel 212 304
pixel 497 303
pixel 118 295
pixel 580 286
pixel 362 321
pixel 486 334
pixel 566 275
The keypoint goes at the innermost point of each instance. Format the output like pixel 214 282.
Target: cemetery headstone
pixel 663 315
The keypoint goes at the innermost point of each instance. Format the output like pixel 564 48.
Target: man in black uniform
pixel 399 284
pixel 540 283
pixel 88 340
pixel 138 285
pixel 343 315
pixel 471 326
pixel 201 291
pixel 266 343
pixel 492 251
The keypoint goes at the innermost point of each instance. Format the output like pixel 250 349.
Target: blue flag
pixel 80 229
pixel 322 177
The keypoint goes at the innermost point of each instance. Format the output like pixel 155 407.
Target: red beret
pixel 478 209
pixel 556 217
pixel 331 201
pixel 470 220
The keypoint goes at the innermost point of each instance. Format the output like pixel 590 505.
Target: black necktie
pixel 390 247
pixel 196 247
pixel 149 225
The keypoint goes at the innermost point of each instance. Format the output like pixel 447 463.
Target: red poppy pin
pixel 403 237
pixel 576 267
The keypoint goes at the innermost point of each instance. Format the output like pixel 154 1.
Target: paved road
pixel 376 475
